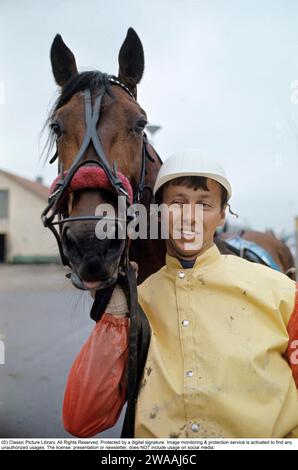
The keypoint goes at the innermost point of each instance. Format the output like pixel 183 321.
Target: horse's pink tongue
pixel 90 285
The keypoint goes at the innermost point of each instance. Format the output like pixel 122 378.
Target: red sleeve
pixel 96 385
pixel 292 351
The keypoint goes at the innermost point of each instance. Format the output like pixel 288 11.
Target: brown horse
pixel 120 128
pixel 277 249
pixel 121 133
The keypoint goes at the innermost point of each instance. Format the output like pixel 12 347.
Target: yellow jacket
pixel 215 366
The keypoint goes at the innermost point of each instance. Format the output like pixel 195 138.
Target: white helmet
pixel 191 163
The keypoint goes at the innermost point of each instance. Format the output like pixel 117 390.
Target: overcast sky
pixel 218 76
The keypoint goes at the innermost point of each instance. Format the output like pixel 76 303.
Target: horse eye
pixel 56 129
pixel 141 124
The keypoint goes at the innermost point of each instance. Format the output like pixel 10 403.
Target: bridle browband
pixel 92 116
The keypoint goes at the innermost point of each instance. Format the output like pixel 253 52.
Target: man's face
pixel 196 235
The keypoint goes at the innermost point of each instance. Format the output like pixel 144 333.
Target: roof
pixel 33 186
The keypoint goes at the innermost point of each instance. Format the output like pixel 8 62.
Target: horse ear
pixel 63 61
pixel 131 60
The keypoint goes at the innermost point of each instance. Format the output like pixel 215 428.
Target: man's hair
pixel 195 182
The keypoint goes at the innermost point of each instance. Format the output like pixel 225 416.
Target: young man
pixel 222 359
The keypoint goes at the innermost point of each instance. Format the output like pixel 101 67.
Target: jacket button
pixel 189 373
pixel 185 322
pixel 181 275
pixel 195 427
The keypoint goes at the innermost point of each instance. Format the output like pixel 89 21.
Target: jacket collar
pixel 209 257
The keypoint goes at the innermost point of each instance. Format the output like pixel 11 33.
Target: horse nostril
pixel 69 239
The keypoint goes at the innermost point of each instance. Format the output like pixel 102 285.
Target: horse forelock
pixel 94 80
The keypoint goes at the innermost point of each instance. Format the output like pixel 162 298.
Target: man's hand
pixel 117 305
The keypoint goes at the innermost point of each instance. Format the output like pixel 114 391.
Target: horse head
pixel 102 153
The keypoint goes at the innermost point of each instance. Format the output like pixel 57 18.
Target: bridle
pixel 53 209
pixel 92 116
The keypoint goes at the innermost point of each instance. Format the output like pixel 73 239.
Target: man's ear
pixel 131 61
pixel 222 216
pixel 63 61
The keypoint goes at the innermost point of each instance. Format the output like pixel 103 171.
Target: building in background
pixel 23 239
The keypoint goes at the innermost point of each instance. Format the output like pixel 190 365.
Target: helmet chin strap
pixel 231 212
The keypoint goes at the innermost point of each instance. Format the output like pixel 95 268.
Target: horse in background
pixel 278 256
